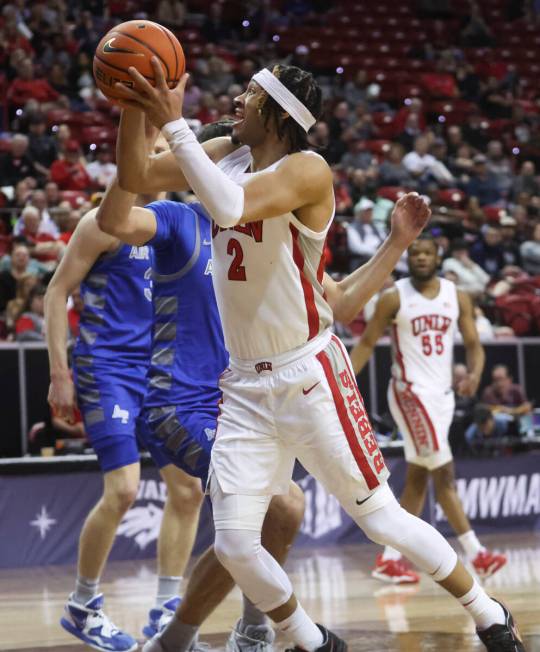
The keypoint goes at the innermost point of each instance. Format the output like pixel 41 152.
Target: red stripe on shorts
pixel 348 428
pixel 411 395
pixel 307 287
pixel 404 413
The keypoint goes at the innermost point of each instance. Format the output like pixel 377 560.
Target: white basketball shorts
pixel 303 404
pixel 424 419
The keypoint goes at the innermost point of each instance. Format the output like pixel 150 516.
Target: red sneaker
pixel 394 571
pixel 487 563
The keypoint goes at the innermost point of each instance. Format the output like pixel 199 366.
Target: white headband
pixel 286 100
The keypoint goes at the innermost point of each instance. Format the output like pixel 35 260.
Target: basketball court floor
pixel 333 583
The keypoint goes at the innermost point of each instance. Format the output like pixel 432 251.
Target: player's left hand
pixel 160 103
pixel 468 386
pixel 409 218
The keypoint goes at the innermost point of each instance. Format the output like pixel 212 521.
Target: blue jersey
pixel 115 324
pixel 188 351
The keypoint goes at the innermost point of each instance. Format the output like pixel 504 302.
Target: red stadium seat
pixel 378 147
pixel 393 193
pixel 451 197
pixel 99 134
pixel 75 197
pixel 493 213
pixel 439 85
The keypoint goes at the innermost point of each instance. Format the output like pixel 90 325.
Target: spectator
pixel 424 166
pixel 487 431
pixel 495 101
pixel 42 147
pixel 488 252
pixel 340 120
pixel 357 156
pixel 499 165
pixel 25 87
pixel 102 171
pixel 461 164
pixel 363 237
pixel 52 194
pixel 483 183
pixel 44 246
pixel 171 13
pixel 475 130
pixel 509 244
pixel 67 219
pixel 475 32
pixel 454 140
pixel 15 268
pixel 393 172
pixel 526 180
pixel 16 164
pixel 30 326
pixel 469 276
pixel 74 313
pixel 530 252
pixel 504 396
pixel 410 132
pixel 69 173
pixel 342 197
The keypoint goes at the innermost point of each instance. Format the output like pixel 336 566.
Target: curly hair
pixel 303 85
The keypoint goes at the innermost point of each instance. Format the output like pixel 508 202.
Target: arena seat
pixel 97 135
pixel 451 197
pixel 393 193
pixel 75 197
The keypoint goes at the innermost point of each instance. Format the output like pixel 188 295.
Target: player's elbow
pixel 104 224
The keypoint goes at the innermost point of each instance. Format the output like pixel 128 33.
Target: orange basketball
pixel 133 43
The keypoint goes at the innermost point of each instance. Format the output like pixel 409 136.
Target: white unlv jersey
pixel 268 278
pixel 423 336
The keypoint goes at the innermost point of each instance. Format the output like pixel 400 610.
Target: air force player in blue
pixel 110 364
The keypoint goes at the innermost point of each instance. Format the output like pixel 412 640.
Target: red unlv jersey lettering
pixel 426 323
pixel 252 229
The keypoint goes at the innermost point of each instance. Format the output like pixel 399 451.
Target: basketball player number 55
pixel 427 346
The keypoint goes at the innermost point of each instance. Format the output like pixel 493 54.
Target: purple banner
pixel 41 515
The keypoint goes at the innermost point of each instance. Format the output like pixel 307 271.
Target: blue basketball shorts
pixel 110 398
pixel 184 438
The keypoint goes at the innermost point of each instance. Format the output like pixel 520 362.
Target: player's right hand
pixel 62 396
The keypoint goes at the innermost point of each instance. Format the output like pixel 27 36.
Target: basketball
pixel 133 43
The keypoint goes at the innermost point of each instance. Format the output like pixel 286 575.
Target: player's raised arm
pixel 350 295
pixel 474 351
pixel 84 248
pixel 140 170
pixel 385 311
pixel 118 216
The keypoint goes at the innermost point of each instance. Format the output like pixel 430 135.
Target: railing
pixel 24 380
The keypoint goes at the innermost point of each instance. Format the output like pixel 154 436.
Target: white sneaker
pixel 251 638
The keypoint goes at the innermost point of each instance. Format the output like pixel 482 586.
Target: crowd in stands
pixel 437 97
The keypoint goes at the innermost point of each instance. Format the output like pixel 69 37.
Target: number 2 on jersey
pixel 427 346
pixel 237 272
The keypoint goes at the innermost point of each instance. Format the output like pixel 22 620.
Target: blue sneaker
pixel 160 617
pixel 89 624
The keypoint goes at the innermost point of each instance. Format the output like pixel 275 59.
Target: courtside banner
pixel 41 515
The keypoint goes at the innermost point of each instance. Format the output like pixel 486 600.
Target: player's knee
pixel 417 478
pixel 185 496
pixel 386 526
pixel 120 498
pixel 236 548
pixel 443 479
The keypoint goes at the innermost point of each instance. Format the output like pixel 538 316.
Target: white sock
pixel 484 611
pixel 390 553
pixel 470 544
pixel 301 630
pixel 85 589
pixel 168 587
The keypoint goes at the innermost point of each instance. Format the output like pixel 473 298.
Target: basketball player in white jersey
pixel 425 311
pixel 290 391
